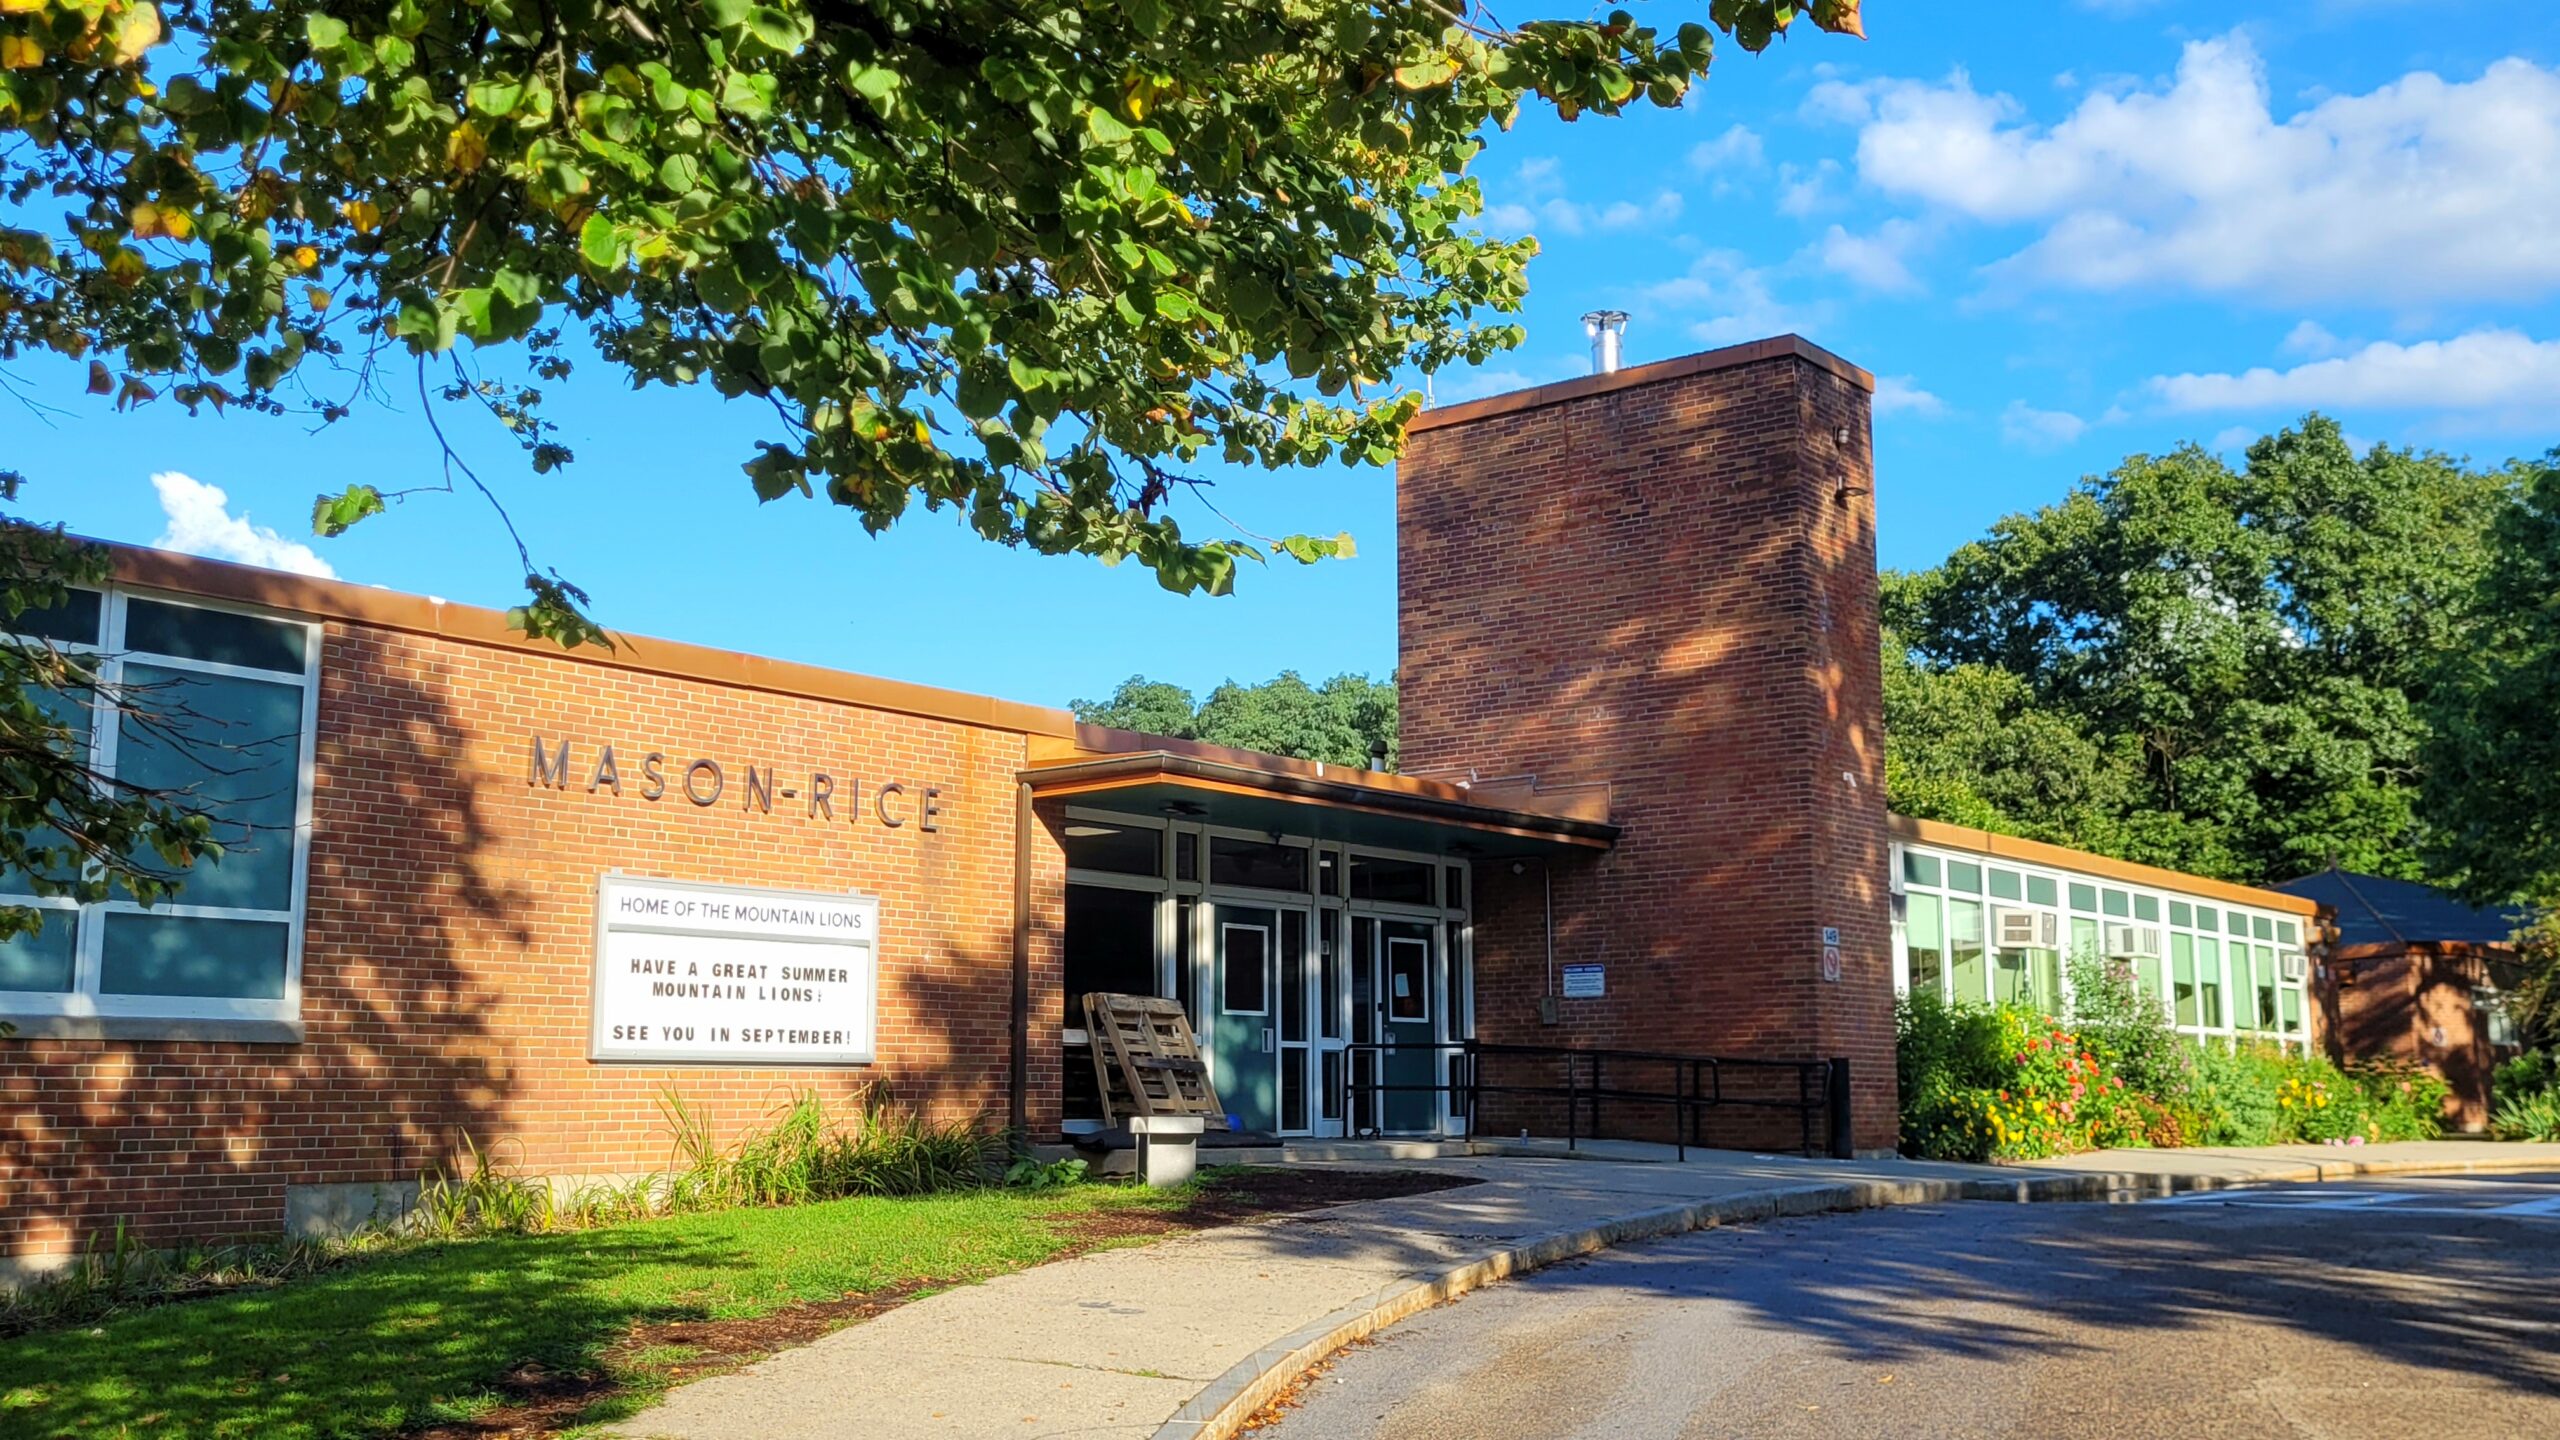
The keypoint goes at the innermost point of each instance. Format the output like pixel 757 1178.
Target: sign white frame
pixel 860 956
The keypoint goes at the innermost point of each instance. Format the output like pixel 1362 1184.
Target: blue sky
pixel 2060 232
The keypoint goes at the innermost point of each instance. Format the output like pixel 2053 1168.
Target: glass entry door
pixel 1261 1030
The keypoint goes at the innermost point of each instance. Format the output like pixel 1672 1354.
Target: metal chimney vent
pixel 1606 328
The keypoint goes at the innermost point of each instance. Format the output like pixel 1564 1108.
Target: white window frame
pixel 84 1010
pixel 1900 884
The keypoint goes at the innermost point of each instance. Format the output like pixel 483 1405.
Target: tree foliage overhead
pixel 1031 262
pixel 2494 755
pixel 1343 722
pixel 2225 671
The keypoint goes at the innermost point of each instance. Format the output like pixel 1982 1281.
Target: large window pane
pixel 160 954
pixel 1113 849
pixel 2041 891
pixel 2084 938
pixel 215 635
pixel 42 961
pixel 70 711
pixel 73 622
pixel 1964 944
pixel 1257 864
pixel 2007 885
pixel 1402 882
pixel 2209 981
pixel 2182 979
pixel 1965 876
pixel 231 748
pixel 2047 978
pixel 1110 945
pixel 1919 869
pixel 1924 941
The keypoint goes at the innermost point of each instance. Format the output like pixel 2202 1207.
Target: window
pixel 1110 944
pixel 1399 882
pixel 2146 907
pixel 1964 876
pixel 2041 890
pixel 2007 885
pixel 1408 979
pixel 1453 886
pixel 1112 848
pixel 2117 903
pixel 2084 897
pixel 1919 869
pixel 2181 913
pixel 2209 983
pixel 1964 925
pixel 1924 941
pixel 2182 978
pixel 1257 864
pixel 1244 981
pixel 2285 933
pixel 216 712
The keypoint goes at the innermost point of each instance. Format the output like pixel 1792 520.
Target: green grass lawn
pixel 399 1342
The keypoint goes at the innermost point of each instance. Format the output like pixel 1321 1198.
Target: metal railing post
pixel 1843 1144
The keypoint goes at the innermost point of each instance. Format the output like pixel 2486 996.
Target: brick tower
pixel 1663 579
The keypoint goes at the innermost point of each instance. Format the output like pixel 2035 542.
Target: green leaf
pixel 600 243
pixel 784 33
pixel 332 515
pixel 1105 127
pixel 325 33
pixel 494 98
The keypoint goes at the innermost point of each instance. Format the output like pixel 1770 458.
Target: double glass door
pixel 1294 988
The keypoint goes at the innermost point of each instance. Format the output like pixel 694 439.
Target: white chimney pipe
pixel 1606 329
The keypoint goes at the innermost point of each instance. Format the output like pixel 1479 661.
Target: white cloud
pixel 1900 395
pixel 1537 202
pixel 200 522
pixel 1738 148
pixel 1872 262
pixel 2486 371
pixel 2418 191
pixel 1450 387
pixel 2233 438
pixel 1738 299
pixel 2312 339
pixel 1806 190
pixel 2029 428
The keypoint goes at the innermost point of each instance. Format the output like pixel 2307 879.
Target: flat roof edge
pixel 1778 347
pixel 1072 776
pixel 346 601
pixel 1989 842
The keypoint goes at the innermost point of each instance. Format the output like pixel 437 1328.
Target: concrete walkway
pixel 1181 1339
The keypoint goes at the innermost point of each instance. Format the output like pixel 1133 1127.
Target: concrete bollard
pixel 1168 1147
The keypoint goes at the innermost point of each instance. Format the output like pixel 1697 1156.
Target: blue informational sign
pixel 1585 982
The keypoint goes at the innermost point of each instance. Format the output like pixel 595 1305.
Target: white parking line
pixel 2384 1202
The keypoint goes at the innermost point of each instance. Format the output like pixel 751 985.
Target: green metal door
pixel 1408 971
pixel 1243 999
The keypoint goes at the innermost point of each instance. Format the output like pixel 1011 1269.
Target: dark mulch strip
pixel 540 1401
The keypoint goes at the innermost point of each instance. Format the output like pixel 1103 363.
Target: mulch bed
pixel 540 1401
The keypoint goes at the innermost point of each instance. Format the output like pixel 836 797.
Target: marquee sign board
pixel 733 974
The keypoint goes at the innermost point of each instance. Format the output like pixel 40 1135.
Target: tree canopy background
pixel 1338 722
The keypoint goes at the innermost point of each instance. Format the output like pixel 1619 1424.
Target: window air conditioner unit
pixel 2025 930
pixel 2133 942
pixel 2289 964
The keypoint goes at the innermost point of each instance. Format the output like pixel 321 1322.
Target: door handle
pixel 1266 1040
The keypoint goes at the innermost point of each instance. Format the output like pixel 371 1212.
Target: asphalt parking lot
pixel 2420 1307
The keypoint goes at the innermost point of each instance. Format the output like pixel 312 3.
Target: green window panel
pixel 2263 927
pixel 233 747
pixel 2286 934
pixel 2146 973
pixel 2118 903
pixel 2289 1000
pixel 2042 891
pixel 1924 942
pixel 2146 907
pixel 1967 960
pixel 2084 897
pixel 2182 980
pixel 42 961
pixel 2207 918
pixel 2084 938
pixel 2209 985
pixel 163 954
pixel 2047 968
pixel 2007 885
pixel 2181 913
pixel 2239 924
pixel 1964 877
pixel 1920 869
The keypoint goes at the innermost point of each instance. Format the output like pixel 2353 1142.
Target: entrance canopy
pixel 1151 775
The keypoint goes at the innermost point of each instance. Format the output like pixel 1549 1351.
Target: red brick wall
pixel 450 941
pixel 2392 1001
pixel 1670 586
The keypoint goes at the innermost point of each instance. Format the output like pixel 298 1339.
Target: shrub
pixel 2532 1073
pixel 2114 1017
pixel 2401 1101
pixel 1944 1055
pixel 2233 1095
pixel 2006 1083
pixel 2534 1116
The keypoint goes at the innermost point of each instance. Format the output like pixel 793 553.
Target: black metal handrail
pixel 1822 1086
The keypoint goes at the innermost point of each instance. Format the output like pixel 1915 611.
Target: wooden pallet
pixel 1145 1061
